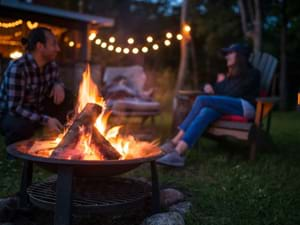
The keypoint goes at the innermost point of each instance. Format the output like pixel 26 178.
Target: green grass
pixel 223 186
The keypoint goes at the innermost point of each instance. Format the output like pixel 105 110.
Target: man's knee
pixel 15 129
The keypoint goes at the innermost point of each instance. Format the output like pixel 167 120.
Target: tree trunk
pixel 282 82
pixel 251 22
pixel 182 65
pixel 183 48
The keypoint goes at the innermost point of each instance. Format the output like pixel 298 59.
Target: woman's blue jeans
pixel 207 109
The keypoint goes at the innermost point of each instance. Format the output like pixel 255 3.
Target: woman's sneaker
pixel 172 159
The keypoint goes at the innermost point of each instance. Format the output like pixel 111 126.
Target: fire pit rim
pixel 12 149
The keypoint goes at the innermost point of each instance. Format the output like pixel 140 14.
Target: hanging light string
pixel 12 24
pixel 150 44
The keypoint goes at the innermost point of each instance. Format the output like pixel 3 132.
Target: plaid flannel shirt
pixel 24 88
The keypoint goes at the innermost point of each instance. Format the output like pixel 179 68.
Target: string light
pixel 112 40
pixel 187 28
pixel 130 41
pixel 145 49
pixel 71 44
pixel 118 49
pixel 179 37
pixel 13 24
pixel 110 48
pixel 155 47
pixel 126 50
pixel 103 45
pixel 135 50
pixel 98 41
pixel 149 39
pixel 92 35
pixel 141 47
pixel 167 42
pixel 169 35
pixel 15 55
pixel 31 25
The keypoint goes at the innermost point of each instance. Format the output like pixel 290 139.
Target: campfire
pixel 88 136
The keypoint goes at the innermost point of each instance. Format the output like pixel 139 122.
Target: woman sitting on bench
pixel 233 94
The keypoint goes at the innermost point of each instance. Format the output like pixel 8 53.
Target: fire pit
pixel 89 151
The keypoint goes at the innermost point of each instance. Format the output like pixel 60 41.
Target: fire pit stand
pixel 68 170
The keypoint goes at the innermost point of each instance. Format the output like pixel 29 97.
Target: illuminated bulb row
pixel 11 24
pixel 131 40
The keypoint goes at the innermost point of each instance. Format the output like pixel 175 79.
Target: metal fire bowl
pixel 86 168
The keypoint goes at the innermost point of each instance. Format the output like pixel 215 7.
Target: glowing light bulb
pixel 110 48
pixel 169 35
pixel 130 41
pixel 126 50
pixel 179 37
pixel 103 45
pixel 92 36
pixel 135 50
pixel 155 46
pixel 187 28
pixel 149 39
pixel 112 40
pixel 71 44
pixel 118 49
pixel 167 42
pixel 145 49
pixel 15 55
pixel 98 41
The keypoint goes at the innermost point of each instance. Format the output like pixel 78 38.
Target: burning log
pixel 103 147
pixel 86 119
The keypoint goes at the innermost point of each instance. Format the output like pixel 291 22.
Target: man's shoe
pixel 172 159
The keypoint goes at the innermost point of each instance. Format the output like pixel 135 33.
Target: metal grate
pixel 96 196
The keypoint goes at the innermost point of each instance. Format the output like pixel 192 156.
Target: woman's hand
pixel 208 89
pixel 58 94
pixel 220 77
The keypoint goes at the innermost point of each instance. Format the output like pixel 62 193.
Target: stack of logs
pixel 85 120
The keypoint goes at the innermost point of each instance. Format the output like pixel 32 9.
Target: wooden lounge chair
pixel 237 126
pixel 125 94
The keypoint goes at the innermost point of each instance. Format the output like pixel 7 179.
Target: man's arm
pixel 16 86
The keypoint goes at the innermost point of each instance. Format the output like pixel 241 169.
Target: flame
pixel 127 146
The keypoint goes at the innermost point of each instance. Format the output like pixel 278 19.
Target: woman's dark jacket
pixel 244 86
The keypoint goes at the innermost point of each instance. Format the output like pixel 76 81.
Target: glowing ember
pixel 127 146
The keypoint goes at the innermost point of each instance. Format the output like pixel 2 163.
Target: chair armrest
pixel 190 93
pixel 264 106
pixel 267 100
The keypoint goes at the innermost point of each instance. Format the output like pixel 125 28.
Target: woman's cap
pixel 240 48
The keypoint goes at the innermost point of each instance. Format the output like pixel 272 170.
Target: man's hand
pixel 58 94
pixel 208 89
pixel 220 77
pixel 54 125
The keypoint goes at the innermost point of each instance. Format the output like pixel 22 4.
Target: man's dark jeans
pixel 16 128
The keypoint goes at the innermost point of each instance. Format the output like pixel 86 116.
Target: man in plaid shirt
pixel 28 85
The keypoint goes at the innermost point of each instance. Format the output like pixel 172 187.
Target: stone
pixel 181 207
pixel 170 196
pixel 169 218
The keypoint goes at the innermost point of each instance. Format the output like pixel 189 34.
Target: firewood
pixel 103 146
pixel 85 119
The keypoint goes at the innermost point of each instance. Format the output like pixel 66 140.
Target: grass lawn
pixel 224 187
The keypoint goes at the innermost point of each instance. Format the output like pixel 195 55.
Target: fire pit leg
pixel 155 189
pixel 63 207
pixel 25 183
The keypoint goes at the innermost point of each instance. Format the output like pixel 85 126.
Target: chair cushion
pixel 235 118
pixel 133 104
